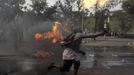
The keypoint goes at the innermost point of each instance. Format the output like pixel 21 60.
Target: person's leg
pixel 51 66
pixel 76 67
pixel 66 66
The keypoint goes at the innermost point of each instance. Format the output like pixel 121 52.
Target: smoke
pixel 18 36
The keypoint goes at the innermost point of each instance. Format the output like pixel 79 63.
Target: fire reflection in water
pixel 43 54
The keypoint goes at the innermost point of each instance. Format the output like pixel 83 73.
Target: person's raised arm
pixel 93 35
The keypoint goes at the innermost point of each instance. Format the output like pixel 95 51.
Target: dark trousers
pixel 67 65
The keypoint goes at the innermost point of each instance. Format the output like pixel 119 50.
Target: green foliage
pixel 115 25
pixel 122 20
pixel 128 6
pixel 89 24
pixel 102 16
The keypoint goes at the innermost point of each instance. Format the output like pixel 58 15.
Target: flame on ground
pixel 90 3
pixel 54 35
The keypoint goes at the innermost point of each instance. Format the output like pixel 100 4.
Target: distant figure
pixel 71 45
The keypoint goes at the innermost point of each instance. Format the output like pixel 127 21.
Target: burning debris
pixel 38 36
pixel 54 35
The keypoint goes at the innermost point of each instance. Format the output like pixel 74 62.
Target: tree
pixel 122 20
pixel 10 10
pixel 73 12
pixel 67 7
pixel 100 13
pixel 41 9
pixel 128 6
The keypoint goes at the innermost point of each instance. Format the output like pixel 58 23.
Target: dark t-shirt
pixel 74 41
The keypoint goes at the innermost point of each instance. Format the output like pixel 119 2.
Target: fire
pixel 90 3
pixel 54 35
pixel 38 36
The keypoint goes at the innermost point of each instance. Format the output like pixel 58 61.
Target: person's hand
pixel 64 43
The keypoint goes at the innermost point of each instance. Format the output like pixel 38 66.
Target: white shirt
pixel 70 54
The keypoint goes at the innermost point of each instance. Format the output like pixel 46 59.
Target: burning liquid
pixel 54 35
pixel 90 3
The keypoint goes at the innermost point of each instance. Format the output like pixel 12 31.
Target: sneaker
pixel 50 66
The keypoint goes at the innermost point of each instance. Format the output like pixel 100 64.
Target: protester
pixel 71 45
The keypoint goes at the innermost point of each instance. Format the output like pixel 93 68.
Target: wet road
pixel 98 57
pixel 105 57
